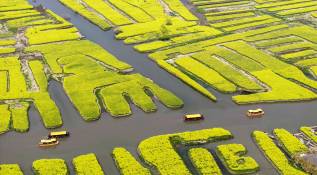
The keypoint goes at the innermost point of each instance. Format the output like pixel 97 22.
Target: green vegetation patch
pixel 20 120
pixel 50 167
pixel 159 152
pixel 10 169
pixel 290 143
pixel 87 164
pixel 233 156
pixel 204 162
pixel 82 10
pixel 206 74
pixel 275 155
pixel 309 132
pixel 127 164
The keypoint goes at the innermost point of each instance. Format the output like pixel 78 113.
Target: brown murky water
pixel 102 136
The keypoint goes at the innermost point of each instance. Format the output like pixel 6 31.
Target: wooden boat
pixel 193 117
pixel 257 113
pixel 59 134
pixel 48 142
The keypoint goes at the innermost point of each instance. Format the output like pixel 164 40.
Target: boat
pixel 48 142
pixel 193 117
pixel 59 134
pixel 257 113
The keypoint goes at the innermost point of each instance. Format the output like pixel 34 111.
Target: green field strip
pixel 108 12
pixel 293 6
pixel 177 40
pixel 265 1
pixel 302 31
pixel 185 78
pixel 202 45
pixel 204 162
pixel 5 120
pixel 206 74
pixel 275 155
pixel 251 24
pixel 127 164
pixel 299 54
pixel 277 92
pixel 289 142
pixel 213 61
pixel 280 3
pixel 277 66
pixel 4 81
pixel 293 46
pixel 298 11
pixel 49 34
pixel 166 33
pixel 7 50
pixel 229 16
pixel 14 24
pixel 50 167
pixel 313 71
pixel 87 164
pixel 133 10
pixel 234 157
pixel 83 11
pixel 7 42
pixel 37 69
pixel 307 62
pixel 241 21
pixel 10 169
pixel 227 12
pixel 309 132
pixel 223 5
pixel 201 3
pixel 278 41
pixel 176 25
pixel 18 14
pixel 178 7
pixel 20 120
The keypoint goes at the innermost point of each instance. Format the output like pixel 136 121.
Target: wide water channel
pixel 102 136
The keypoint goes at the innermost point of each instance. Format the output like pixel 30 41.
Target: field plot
pixel 37 46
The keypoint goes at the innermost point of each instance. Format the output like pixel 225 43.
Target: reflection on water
pixel 102 136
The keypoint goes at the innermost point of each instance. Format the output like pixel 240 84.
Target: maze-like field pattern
pixel 37 45
pixel 254 48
